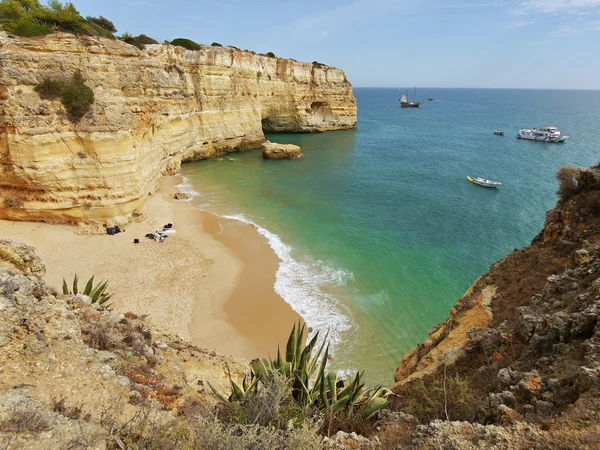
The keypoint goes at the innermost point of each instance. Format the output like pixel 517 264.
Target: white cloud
pixel 558 6
pixel 519 24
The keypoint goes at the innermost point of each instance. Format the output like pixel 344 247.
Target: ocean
pixel 378 229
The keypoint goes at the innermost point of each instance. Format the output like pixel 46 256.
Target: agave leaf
pixel 375 404
pixel 236 392
pixel 323 392
pixel 104 298
pixel 291 345
pixel 321 372
pixel 332 382
pixel 97 293
pixel 317 355
pixel 65 288
pixel 286 369
pixel 75 280
pixel 88 286
pixel 219 396
pixel 259 368
pixel 305 356
pixel 299 345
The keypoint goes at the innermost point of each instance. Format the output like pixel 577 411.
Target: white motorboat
pixel 543 134
pixel 484 182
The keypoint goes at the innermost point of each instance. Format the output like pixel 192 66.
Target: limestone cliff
pixel 153 109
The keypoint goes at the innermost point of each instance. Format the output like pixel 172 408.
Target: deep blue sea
pixel 378 230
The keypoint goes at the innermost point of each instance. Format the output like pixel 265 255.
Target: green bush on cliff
pixel 50 89
pixel 270 54
pixel 30 18
pixel 186 43
pixel 76 97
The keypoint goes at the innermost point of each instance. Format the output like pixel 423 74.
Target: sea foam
pixel 303 283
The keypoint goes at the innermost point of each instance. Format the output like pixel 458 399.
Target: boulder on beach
pixel 181 196
pixel 272 150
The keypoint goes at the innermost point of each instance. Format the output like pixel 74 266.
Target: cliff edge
pixel 518 359
pixel 153 109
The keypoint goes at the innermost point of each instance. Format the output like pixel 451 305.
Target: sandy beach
pixel 212 283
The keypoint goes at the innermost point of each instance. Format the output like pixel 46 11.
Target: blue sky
pixel 392 43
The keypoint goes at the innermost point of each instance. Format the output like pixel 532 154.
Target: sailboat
pixel 404 103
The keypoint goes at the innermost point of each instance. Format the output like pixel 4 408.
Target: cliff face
pixel 153 109
pixel 523 341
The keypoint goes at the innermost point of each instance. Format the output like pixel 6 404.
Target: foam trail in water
pixel 186 188
pixel 302 284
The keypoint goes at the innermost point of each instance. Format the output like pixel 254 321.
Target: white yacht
pixel 544 134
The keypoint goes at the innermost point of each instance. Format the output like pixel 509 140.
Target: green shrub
pixel 430 400
pixel 77 98
pixel 50 89
pixel 30 18
pixel 103 22
pixel 29 27
pixel 216 44
pixel 143 39
pixel 271 54
pixel 318 65
pixel 186 43
pixel 567 182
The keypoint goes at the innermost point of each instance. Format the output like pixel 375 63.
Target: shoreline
pixel 212 283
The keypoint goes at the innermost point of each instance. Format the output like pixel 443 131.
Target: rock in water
pixel 280 151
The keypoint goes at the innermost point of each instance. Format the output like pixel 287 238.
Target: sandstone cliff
pixel 153 109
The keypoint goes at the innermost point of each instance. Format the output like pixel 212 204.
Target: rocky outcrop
pixel 153 109
pixel 271 150
pixel 71 373
pixel 522 346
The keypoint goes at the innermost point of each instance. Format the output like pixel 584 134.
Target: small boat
pixel 431 99
pixel 404 103
pixel 499 132
pixel 484 182
pixel 543 134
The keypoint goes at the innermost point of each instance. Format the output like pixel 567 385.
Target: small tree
pixel 77 97
pixel 271 54
pixel 567 182
pixel 186 43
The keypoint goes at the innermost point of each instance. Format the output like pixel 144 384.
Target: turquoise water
pixel 378 230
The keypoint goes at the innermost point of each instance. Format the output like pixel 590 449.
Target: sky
pixel 545 44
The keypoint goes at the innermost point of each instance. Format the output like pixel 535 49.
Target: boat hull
pixel 542 135
pixel 409 105
pixel 484 182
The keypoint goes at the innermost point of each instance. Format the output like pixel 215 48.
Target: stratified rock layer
pixel 272 150
pixel 153 109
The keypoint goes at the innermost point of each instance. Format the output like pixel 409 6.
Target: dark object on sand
pixel 167 226
pixel 136 241
pixel 113 230
pixel 150 235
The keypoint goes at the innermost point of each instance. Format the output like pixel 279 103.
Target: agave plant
pixel 97 293
pixel 311 385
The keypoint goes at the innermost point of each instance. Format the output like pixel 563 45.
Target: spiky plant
pixel 97 293
pixel 312 386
